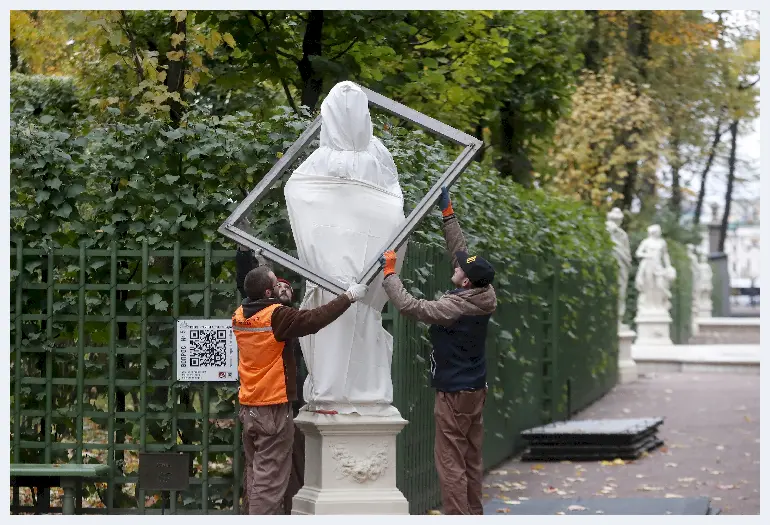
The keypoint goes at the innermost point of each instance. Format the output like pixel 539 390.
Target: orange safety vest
pixel 260 359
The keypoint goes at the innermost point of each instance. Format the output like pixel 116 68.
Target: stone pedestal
pixel 627 371
pixel 653 328
pixel 350 465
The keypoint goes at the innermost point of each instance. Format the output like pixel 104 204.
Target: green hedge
pixel 42 95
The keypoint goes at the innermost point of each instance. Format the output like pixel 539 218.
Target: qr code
pixel 208 347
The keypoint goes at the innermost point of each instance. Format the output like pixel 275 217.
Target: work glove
pixel 388 261
pixel 445 203
pixel 356 292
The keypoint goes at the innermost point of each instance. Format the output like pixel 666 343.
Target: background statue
pixel 706 285
pixel 622 252
pixel 655 274
pixel 692 254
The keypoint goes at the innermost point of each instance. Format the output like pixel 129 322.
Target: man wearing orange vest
pixel 267 373
pixel 245 261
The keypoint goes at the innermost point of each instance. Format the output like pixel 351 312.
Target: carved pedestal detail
pixel 350 465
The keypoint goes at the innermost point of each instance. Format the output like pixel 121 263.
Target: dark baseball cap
pixel 476 268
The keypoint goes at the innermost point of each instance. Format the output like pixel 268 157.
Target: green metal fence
pixel 92 362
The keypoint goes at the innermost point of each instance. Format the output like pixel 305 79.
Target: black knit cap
pixel 476 268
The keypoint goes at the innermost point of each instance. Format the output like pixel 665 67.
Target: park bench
pixel 43 476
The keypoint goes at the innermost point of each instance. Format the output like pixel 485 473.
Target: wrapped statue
pixel 655 273
pixel 344 203
pixel 622 252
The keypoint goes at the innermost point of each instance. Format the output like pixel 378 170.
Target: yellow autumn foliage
pixel 610 127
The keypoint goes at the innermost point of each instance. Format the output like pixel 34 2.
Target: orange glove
pixel 388 260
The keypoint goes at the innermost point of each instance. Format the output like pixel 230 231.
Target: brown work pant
pixel 297 477
pixel 459 438
pixel 268 437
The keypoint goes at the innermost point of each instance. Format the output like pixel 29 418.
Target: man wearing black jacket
pixel 458 332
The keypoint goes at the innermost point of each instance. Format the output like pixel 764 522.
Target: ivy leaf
pixel 195 298
pixel 160 364
pixel 74 190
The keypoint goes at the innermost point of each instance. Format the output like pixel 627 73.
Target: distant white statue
pixel 705 287
pixel 692 254
pixel 655 273
pixel 622 253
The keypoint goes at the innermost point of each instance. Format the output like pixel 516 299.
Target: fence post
pixel 143 353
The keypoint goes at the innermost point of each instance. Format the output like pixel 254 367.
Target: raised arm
pixel 453 235
pixel 289 322
pixel 244 263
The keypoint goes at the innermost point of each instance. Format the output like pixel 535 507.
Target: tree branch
pixel 335 57
pixel 132 43
pixel 276 65
pixel 743 87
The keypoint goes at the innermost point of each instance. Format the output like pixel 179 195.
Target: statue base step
pixel 627 370
pixel 350 465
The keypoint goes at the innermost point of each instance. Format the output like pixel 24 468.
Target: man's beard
pixel 284 299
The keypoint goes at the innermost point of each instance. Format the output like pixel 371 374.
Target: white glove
pixel 356 292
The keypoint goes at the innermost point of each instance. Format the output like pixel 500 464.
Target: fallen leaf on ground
pixel 513 502
pixel 549 490
pixel 669 496
pixel 725 487
pixel 560 513
pixel 523 498
pixel 499 472
pixel 538 467
pixel 640 476
pixel 671 464
pixel 576 507
pixel 720 447
pixel 686 480
pixel 434 512
pixel 747 418
pixel 649 488
pixel 503 511
pixel 618 461
pixel 600 512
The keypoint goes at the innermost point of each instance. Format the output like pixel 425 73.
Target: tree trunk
pixel 175 76
pixel 479 134
pixel 513 161
pixel 312 80
pixel 730 182
pixel 638 48
pixel 591 50
pixel 706 169
pixel 14 56
pixel 676 188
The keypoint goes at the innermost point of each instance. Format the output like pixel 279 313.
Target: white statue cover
pixel 344 203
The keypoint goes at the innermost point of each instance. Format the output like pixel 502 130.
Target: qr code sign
pixel 206 350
